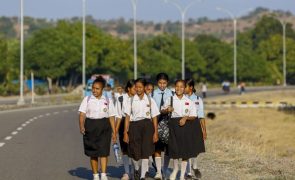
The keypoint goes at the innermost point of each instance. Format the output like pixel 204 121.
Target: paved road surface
pixel 44 144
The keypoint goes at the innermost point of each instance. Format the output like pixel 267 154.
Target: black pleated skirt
pixel 199 144
pixel 181 143
pixel 141 145
pixel 97 138
pixel 123 145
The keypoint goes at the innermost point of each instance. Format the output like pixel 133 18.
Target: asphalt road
pixel 210 93
pixel 46 144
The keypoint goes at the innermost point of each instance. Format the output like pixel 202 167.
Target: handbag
pixel 163 128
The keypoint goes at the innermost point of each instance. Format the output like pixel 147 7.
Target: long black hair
pixel 163 76
pixel 191 83
pixel 141 80
pixel 129 84
pixel 100 80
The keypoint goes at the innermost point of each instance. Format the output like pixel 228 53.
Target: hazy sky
pixel 156 10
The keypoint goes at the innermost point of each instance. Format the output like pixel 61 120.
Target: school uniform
pixel 180 142
pixel 160 98
pixel 141 128
pixel 196 128
pixel 121 103
pixel 98 131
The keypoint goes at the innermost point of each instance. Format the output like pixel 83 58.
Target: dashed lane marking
pixel 8 138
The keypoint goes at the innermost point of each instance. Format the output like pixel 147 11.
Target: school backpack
pixel 163 128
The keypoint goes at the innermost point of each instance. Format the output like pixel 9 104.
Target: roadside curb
pixel 247 104
pixel 39 107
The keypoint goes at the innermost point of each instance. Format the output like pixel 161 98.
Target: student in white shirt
pixel 198 128
pixel 183 113
pixel 121 104
pixel 97 124
pixel 141 128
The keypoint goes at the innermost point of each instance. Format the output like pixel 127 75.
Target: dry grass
pixel 275 96
pixel 253 143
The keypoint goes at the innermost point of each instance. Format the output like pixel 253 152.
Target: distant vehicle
pixel 88 88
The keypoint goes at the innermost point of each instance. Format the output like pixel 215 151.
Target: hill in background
pixel 220 28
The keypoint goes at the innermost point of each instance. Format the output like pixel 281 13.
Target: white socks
pixel 194 162
pixel 183 168
pixel 126 164
pixel 158 161
pixel 175 164
pixel 144 167
pixel 135 164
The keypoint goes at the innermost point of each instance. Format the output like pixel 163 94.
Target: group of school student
pixel 134 117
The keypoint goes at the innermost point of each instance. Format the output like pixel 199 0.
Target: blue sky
pixel 155 10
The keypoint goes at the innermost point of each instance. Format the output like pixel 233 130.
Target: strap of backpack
pixel 171 103
pixel 121 98
pixel 131 101
pixel 150 102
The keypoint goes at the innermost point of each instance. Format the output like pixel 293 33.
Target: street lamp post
pixel 134 7
pixel 83 45
pixel 183 11
pixel 21 100
pixel 234 19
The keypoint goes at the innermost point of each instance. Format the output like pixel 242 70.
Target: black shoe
pixel 189 177
pixel 136 175
pixel 197 173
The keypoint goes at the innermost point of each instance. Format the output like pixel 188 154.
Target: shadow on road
pixel 81 172
pixel 85 173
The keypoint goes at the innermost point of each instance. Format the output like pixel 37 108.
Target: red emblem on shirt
pixel 106 103
pixel 186 103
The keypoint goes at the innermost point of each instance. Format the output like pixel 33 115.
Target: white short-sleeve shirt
pixel 182 107
pixel 120 108
pixel 97 108
pixel 141 108
pixel 198 104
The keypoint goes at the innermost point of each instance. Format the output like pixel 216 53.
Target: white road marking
pixel 40 116
pixel 8 138
pixel 24 125
pixel 56 113
pixel 14 132
pixel 28 122
pixel 48 114
pixel 19 129
pixel 2 144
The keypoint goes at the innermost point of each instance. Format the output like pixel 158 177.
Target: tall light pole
pixel 134 7
pixel 21 100
pixel 83 45
pixel 284 24
pixel 234 19
pixel 183 11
